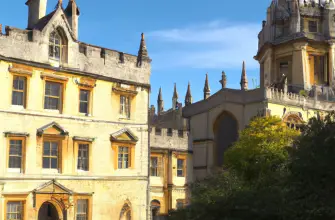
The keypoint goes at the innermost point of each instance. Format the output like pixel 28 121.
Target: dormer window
pixel 55 42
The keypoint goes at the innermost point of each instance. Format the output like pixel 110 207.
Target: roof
pixel 44 21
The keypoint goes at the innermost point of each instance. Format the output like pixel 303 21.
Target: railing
pixel 319 97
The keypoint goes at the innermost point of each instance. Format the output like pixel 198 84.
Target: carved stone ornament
pixel 86 82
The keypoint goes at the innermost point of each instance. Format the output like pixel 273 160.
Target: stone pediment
pixel 124 135
pixel 52 128
pixel 52 187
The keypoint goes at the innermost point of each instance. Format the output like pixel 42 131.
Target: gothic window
pixel 55 46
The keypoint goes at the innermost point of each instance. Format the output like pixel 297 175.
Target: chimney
pixel 36 10
pixel 72 13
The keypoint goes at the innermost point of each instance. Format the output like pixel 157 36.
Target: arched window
pixel 55 46
pixel 155 209
pixel 125 212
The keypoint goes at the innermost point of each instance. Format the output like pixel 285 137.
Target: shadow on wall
pixel 226 133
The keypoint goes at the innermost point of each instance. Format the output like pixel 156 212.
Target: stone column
pixel 331 64
pixel 300 73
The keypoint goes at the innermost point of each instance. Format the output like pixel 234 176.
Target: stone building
pixel 171 166
pixel 74 123
pixel 296 57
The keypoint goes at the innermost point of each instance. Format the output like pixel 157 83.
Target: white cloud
pixel 213 45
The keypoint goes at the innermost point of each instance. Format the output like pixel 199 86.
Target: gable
pixel 52 187
pixel 55 20
pixel 124 135
pixel 52 128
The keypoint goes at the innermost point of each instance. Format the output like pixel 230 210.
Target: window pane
pixel 46 162
pixel 82 210
pixel 51 103
pixel 84 95
pixel 54 149
pixel 17 98
pixel 54 164
pixel 83 108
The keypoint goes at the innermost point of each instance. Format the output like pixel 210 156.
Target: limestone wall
pixel 33 46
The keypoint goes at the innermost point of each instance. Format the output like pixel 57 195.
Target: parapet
pixel 167 138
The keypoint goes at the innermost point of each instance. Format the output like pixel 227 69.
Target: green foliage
pixel 267 180
pixel 261 149
pixel 303 93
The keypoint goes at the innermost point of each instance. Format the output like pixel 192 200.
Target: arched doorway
pixel 155 208
pixel 226 133
pixel 48 212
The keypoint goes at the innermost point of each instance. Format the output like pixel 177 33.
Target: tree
pixel 254 168
pixel 261 149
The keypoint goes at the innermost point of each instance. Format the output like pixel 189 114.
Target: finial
pixel 223 80
pixel 207 90
pixel 59 4
pixel 188 97
pixel 142 52
pixel 244 80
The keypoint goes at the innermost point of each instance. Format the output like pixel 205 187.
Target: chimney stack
pixel 36 10
pixel 72 13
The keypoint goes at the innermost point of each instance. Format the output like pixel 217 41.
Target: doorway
pixel 48 212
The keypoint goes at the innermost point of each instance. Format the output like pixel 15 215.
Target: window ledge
pixel 85 114
pixel 17 107
pixel 14 170
pixel 50 171
pixel 52 111
pixel 83 172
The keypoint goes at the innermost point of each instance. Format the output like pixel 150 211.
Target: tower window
pixel 55 43
pixel 312 26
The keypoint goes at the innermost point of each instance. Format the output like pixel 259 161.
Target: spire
pixel 59 4
pixel 142 52
pixel 207 90
pixel 175 97
pixel 244 80
pixel 188 97
pixel 72 13
pixel 160 94
pixel 175 93
pixel 223 80
pixel 160 102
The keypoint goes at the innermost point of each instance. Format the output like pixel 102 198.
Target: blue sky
pixel 185 38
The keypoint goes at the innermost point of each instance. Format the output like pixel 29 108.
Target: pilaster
pixel 300 70
pixel 2 184
pixel 331 64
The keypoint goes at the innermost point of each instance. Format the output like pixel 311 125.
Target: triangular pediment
pixel 52 128
pixel 53 187
pixel 124 135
